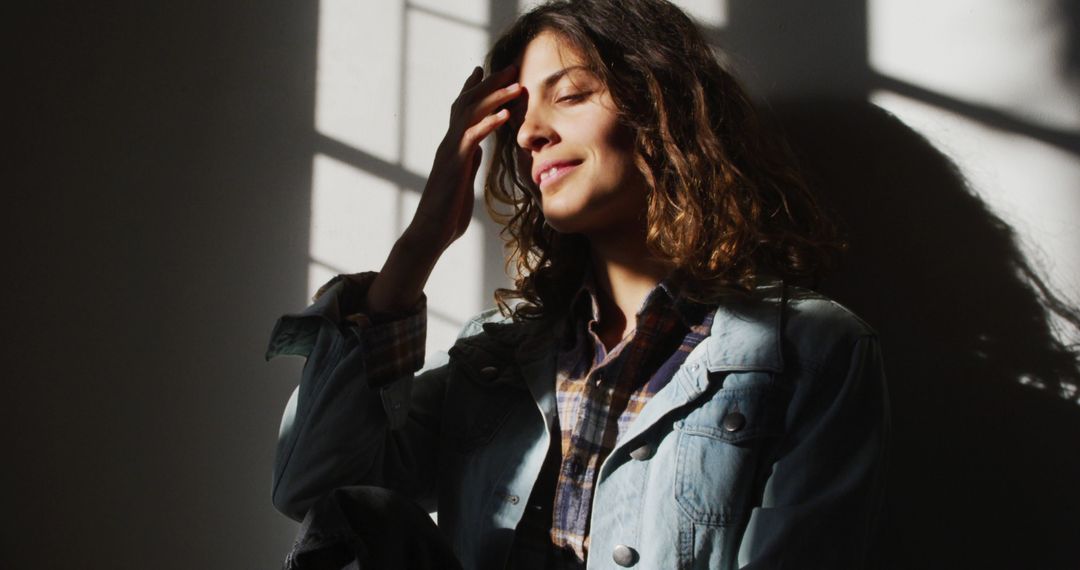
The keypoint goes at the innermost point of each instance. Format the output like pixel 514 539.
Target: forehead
pixel 546 54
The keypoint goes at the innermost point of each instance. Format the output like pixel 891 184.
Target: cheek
pixel 617 143
pixel 618 172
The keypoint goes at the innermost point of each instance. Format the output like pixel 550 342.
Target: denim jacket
pixel 765 450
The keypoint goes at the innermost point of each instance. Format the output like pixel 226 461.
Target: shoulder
pixel 475 325
pixel 494 333
pixel 819 332
pixel 776 326
pixel 808 312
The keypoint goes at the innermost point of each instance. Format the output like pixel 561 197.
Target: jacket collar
pixel 745 335
pixel 503 342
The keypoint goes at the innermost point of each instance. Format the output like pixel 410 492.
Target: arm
pixel 358 416
pixel 822 498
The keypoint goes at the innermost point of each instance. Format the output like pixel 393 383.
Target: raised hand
pixel 446 205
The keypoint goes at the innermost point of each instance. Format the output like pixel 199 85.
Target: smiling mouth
pixel 551 175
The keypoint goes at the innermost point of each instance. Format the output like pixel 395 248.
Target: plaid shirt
pixel 599 394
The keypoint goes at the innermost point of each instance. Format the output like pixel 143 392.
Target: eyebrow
pixel 554 78
pixel 547 84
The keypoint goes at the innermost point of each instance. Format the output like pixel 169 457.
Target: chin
pixel 565 219
pixel 562 225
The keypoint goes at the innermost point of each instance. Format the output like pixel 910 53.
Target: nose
pixel 535 131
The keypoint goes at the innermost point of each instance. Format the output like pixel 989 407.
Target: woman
pixel 654 391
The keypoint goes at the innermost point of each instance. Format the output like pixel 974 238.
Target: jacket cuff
pixel 393 344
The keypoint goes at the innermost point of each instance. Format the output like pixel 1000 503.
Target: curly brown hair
pixel 726 202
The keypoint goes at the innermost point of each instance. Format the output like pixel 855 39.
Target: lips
pixel 549 171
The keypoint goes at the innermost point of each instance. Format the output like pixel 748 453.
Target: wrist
pixel 419 245
pixel 400 283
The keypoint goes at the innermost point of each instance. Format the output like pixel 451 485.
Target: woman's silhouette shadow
pixel 985 460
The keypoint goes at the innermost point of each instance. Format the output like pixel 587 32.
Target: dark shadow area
pixel 784 49
pixel 984 469
pixel 1069 10
pixel 160 200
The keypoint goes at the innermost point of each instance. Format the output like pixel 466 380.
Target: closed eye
pixel 573 97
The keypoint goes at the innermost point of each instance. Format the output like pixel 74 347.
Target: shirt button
pixel 489 372
pixel 624 555
pixel 734 422
pixel 573 468
pixel 644 452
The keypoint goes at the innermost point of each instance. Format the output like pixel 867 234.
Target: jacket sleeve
pixel 822 498
pixel 360 416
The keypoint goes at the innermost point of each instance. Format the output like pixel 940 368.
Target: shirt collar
pixel 584 303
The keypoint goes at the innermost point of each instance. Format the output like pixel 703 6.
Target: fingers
pixel 493 81
pixel 473 110
pixel 497 99
pixel 478 132
pixel 472 80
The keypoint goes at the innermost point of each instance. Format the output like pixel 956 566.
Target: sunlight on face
pixel 579 156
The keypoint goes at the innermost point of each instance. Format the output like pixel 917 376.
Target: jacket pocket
pixel 719 450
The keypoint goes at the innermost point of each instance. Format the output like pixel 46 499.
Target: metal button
pixel 693 367
pixel 624 555
pixel 644 452
pixel 489 372
pixel 734 421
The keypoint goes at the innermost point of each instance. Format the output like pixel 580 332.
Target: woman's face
pixel 570 141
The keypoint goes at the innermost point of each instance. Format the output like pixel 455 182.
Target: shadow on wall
pixel 984 469
pixel 1070 11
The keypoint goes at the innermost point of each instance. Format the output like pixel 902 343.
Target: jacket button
pixel 734 422
pixel 624 555
pixel 489 372
pixel 644 452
